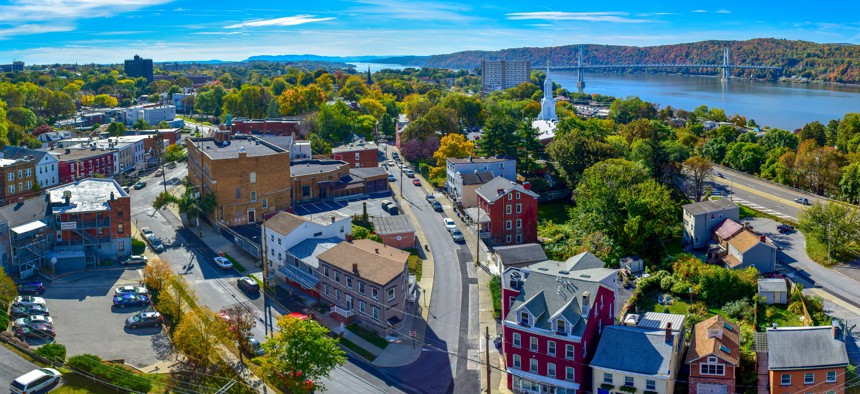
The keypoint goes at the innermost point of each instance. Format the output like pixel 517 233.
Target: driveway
pixel 12 366
pixel 87 322
pixel 792 255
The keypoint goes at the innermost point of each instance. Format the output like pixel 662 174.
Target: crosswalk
pixel 762 209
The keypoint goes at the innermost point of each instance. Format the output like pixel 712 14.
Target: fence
pixel 248 245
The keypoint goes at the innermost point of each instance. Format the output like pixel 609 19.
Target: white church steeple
pixel 547 104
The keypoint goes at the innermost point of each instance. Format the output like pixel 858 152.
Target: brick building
pixel 17 179
pixel 249 176
pixel 395 231
pixel 553 314
pixel 321 180
pixel 75 162
pixel 714 356
pixel 271 126
pixel 511 209
pixel 806 359
pixel 358 154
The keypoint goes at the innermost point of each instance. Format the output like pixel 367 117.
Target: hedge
pixel 113 374
pixel 53 351
pixel 137 246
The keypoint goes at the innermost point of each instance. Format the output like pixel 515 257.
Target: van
pixel 34 380
pixel 386 204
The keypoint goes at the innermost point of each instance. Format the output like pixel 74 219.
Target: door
pixel 251 216
pixel 711 388
pixel 349 303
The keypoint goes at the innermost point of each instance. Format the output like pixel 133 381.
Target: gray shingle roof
pixel 635 350
pixel 17 152
pixel 384 225
pixel 520 254
pixel 490 190
pixel 702 207
pixel 477 178
pixel 308 250
pixel 16 214
pixel 584 261
pixel 771 285
pixel 804 347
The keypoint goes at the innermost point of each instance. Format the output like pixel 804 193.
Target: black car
pixel 125 300
pixel 31 288
pixel 437 207
pixel 784 228
pixel 248 285
pixel 17 312
pixel 144 319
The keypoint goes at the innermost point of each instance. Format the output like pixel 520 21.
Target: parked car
pixel 254 344
pixel 32 320
pixel 390 163
pixel 430 198
pixel 457 235
pixel 126 189
pixel 147 233
pixel 171 165
pixel 802 201
pixel 130 290
pixel 248 285
pixel 139 185
pixel 157 245
pixel 136 259
pixel 416 182
pixel 17 312
pixel 124 300
pixel 32 288
pixel 395 155
pixel 409 173
pixel 34 381
pixel 27 300
pixel 391 178
pixel 223 263
pixel 449 224
pixel 38 331
pixel 144 319
pixel 386 204
pixel 784 228
pixel 158 172
pixel 437 206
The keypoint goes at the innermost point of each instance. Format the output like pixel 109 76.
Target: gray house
pixel 701 217
pixel 774 290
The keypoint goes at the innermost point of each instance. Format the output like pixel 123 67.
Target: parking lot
pixel 347 207
pixel 87 322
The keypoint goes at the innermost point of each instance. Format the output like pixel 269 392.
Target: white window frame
pixel 712 369
pixel 517 340
pixel 533 365
pixel 809 378
pixel 508 209
pixel 374 293
pixel 519 208
pixel 392 294
pixel 607 378
pixel 569 374
pixel 629 381
pixel 783 381
pixel 533 343
pixel 569 352
pixel 508 225
pixel 828 379
pixel 650 384
pixel 517 361
pixel 550 370
pixel 375 313
pixel 550 348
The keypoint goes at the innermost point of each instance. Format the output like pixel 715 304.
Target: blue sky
pixel 102 31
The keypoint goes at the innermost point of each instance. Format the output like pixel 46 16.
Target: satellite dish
pixel 67 194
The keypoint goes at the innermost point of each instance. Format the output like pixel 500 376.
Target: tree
pixel 8 289
pixel 240 319
pixel 22 117
pixel 416 149
pixel 173 153
pixel 300 352
pixel 849 184
pixel 818 169
pixel 197 336
pixel 499 135
pixel 814 131
pixel 631 108
pixel 577 150
pixel 698 170
pixel 846 130
pixel 116 129
pixel 453 146
pixel 777 138
pixel 715 149
pixel 833 225
pixel 353 89
pixel 140 124
pixel 364 125
pixel 335 122
pixel 372 107
pixel 745 156
pixel 278 86
pixel 172 300
pixel 156 274
pixel 300 100
pixel 103 100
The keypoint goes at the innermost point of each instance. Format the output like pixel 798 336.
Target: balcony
pixel 346 313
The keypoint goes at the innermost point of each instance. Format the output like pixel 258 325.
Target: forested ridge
pixel 801 59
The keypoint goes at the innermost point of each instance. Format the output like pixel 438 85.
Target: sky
pixel 108 31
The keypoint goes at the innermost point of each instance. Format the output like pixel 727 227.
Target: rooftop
pixel 376 262
pixel 520 254
pixel 477 177
pixel 368 172
pixel 308 251
pixel 355 146
pixel 728 228
pixel 285 222
pixel 18 152
pixel 633 349
pixel 481 160
pixel 309 167
pixel 252 146
pixel 78 153
pixel 703 207
pixel 497 187
pixel 805 347
pixel 712 336
pixel 87 195
pixel 26 211
pixel 385 225
pixel 772 285
pixel 659 321
pixel 7 162
pixel 745 240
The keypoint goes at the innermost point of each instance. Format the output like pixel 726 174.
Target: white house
pixel 47 169
pixel 152 114
pixel 138 150
pixel 455 168
pixel 292 243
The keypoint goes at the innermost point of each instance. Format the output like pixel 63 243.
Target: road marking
pixel 763 209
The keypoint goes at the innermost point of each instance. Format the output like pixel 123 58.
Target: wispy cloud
pixel 32 29
pixel 216 33
pixel 700 11
pixel 613 17
pixel 414 10
pixel 724 12
pixel 27 17
pixel 284 21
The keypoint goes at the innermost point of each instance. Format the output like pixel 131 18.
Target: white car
pixel 29 300
pixel 450 225
pixel 131 290
pixel 35 380
pixel 136 259
pixel 33 320
pixel 223 262
pixel 146 232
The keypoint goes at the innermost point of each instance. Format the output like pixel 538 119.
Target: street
pixel 12 366
pixel 759 194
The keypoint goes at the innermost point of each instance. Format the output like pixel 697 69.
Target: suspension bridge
pixel 725 67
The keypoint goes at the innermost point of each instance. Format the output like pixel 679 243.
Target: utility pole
pixel 478 238
pixel 487 350
pixel 829 223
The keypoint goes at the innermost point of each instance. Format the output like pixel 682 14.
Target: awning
pixel 26 228
pixel 297 275
pixel 543 379
pixel 474 212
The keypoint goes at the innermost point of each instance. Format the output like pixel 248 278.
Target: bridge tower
pixel 580 73
pixel 726 66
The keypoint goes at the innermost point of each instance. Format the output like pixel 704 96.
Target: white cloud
pixel 425 11
pixel 699 11
pixel 32 29
pixel 724 12
pixel 612 17
pixel 285 21
pixel 27 17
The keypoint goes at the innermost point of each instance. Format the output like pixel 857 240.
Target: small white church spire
pixel 547 104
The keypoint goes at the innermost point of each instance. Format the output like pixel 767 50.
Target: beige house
pixel 366 282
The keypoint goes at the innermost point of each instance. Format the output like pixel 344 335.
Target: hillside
pixel 825 62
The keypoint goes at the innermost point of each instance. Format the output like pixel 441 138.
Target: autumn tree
pixel 698 170
pixel 300 100
pixel 372 107
pixel 173 298
pixel 8 289
pixel 300 353
pixel 240 319
pixel 197 336
pixel 818 168
pixel 450 146
pixel 156 274
pixel 103 100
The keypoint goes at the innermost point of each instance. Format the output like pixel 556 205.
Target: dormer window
pixel 524 318
pixel 560 327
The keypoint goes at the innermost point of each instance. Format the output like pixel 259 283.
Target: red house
pixel 358 154
pixel 554 313
pixel 79 163
pixel 511 209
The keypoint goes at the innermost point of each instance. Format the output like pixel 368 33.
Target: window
pixel 550 370
pixel 510 196
pixel 306 190
pixel 391 294
pixel 374 293
pixel 507 224
pixel 785 379
pixel 550 348
pixel 711 369
pixel 517 341
pixel 568 352
pixel 628 381
pixel 519 238
pixel 569 374
pixel 360 287
pixel 524 318
pixel 560 327
pixel 119 228
pixel 533 365
pixel 533 344
pixel 519 208
pixel 348 282
pixel 519 223
pixel 119 212
pixel 11 175
pixel 650 385
pixel 511 301
pixel 279 241
pixel 361 305
pixel 238 193
pixel 253 196
pixel 11 189
pixel 265 203
pixel 375 313
pixel 808 378
pixel 508 239
pixel 518 195
pixel 831 376
pixel 517 361
pixel 325 289
pixel 337 276
pixel 253 177
pixel 317 234
pixel 20 173
pixel 28 172
pixel 325 270
pixel 357 156
pixel 337 294
pixel 508 209
pixel 607 378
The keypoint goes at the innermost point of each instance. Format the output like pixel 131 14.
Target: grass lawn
pixel 555 211
pixel 357 349
pixel 650 304
pixel 496 291
pixel 77 384
pixel 673 246
pixel 236 265
pixel 782 317
pixel 368 335
pixel 415 264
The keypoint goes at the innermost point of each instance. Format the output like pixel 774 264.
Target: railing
pixel 95 223
pixel 343 312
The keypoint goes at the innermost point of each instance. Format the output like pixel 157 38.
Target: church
pixel 546 122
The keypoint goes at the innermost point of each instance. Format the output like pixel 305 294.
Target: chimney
pixel 586 302
pixel 68 151
pixel 668 332
pixel 355 268
pixel 333 219
pixel 763 238
pixel 112 196
pixel 835 332
pixel 527 185
pixel 349 237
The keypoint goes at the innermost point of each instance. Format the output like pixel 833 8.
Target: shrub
pixel 114 374
pixel 53 351
pixel 740 310
pixel 667 283
pixel 137 246
pixel 4 320
pixel 496 292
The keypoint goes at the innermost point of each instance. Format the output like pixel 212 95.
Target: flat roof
pixel 88 195
pixel 252 147
pixel 355 146
pixel 79 153
pixel 7 162
pixel 308 167
pixel 399 224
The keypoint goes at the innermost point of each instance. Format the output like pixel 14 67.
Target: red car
pixel 416 182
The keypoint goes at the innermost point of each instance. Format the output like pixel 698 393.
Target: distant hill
pixel 825 62
pixel 313 58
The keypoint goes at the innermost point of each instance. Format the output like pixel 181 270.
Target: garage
pixel 711 388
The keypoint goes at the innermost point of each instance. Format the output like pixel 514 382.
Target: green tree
pixel 300 352
pixel 278 86
pixel 22 117
pixel 577 150
pixel 849 184
pixel 140 124
pixel 631 108
pixel 8 289
pixel 846 130
pixel 814 131
pixel 745 156
pixel 335 122
pixel 103 100
pixel 777 138
pixel 173 153
pixel 116 129
pixel 364 126
pixel 197 336
pixel 372 107
pixel 715 149
pixel 834 225
pixel 500 136
pixel 164 199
